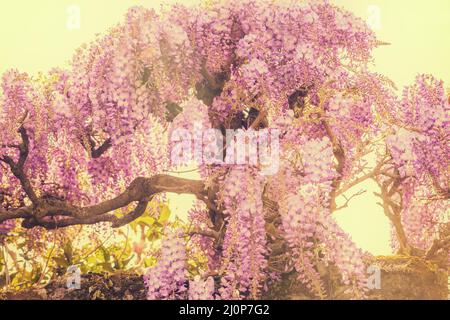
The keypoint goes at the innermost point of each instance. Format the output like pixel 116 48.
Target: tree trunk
pixel 401 278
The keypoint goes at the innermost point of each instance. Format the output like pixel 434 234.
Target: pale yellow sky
pixel 37 35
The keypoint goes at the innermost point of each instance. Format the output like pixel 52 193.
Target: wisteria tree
pixel 92 144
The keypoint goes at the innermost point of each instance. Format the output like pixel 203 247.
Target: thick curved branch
pixel 348 199
pixel 51 213
pixel 393 212
pixel 54 213
pixel 20 213
pixel 116 221
pixel 17 168
pixel 206 233
pixel 339 155
pixel 97 152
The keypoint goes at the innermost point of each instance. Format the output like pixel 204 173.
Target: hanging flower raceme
pixel 317 241
pixel 167 280
pixel 299 219
pixel 244 250
pixel 200 289
pixel 418 143
pixel 142 99
pixel 6 227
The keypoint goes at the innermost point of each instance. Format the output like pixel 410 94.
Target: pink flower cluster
pixel 244 260
pixel 117 90
pixel 317 241
pixel 200 289
pixel 167 279
pixel 6 227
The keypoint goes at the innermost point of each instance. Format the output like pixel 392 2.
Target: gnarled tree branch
pixel 90 145
pixel 55 213
pixel 51 213
pixel 339 155
pixel 17 168
pixel 393 212
pixel 97 152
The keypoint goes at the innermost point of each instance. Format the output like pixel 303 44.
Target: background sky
pixel 34 33
pixel 37 35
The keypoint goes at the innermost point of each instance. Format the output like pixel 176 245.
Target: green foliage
pixel 131 248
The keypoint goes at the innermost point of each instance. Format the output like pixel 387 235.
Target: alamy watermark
pixel 73 21
pixel 209 146
pixel 374 278
pixel 374 17
pixel 73 281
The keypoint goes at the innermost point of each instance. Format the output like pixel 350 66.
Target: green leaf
pixel 148 262
pixel 148 221
pixel 106 266
pixel 142 221
pixel 61 261
pixel 164 214
pixel 153 235
pixel 106 254
pixel 68 251
pixel 126 261
pixel 134 225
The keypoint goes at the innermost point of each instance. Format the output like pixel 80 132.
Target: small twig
pixel 98 247
pixel 207 233
pixel 8 279
pixel 17 168
pixel 347 200
pixel 183 171
pixel 126 244
pixel 259 119
pixel 50 255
